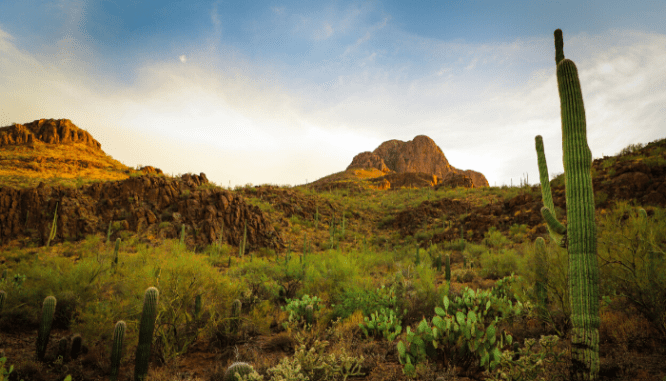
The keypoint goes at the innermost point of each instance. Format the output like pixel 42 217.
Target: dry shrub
pixel 628 331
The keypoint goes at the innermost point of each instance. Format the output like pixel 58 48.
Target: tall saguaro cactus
pixel 580 234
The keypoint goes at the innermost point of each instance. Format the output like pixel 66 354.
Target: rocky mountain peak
pixel 420 155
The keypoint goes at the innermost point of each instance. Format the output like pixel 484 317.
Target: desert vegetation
pixel 348 300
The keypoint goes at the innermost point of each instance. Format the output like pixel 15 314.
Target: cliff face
pixel 420 155
pixel 52 131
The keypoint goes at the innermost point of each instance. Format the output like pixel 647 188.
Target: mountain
pixel 50 167
pixel 420 155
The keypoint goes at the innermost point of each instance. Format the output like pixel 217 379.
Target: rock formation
pixel 146 205
pixel 420 155
pixel 51 131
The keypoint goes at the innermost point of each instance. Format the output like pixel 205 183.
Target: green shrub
pixel 518 233
pixel 632 260
pixel 367 301
pixel 495 265
pixel 495 239
pixel 541 363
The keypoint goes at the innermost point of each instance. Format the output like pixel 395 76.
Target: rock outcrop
pixel 145 205
pixel 420 155
pixel 368 160
pixel 51 131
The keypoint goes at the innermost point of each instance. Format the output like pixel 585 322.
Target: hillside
pixel 346 238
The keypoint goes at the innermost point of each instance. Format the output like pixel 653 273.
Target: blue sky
pixel 277 92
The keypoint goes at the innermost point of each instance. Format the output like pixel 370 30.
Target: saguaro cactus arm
pixel 555 228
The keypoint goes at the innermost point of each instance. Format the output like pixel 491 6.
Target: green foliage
pixel 518 233
pixel 365 300
pixel 495 265
pixel 298 308
pixel 495 239
pixel 465 329
pixel 633 251
pixel 534 363
pixel 382 323
pixel 631 149
pixel 4 373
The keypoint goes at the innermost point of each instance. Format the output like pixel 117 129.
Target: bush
pixel 632 260
pixel 495 239
pixel 367 301
pixel 495 265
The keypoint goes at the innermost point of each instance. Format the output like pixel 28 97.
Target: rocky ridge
pixel 420 155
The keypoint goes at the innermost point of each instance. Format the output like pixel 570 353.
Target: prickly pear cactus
pixel 48 309
pixel 117 349
pixel 240 368
pixel 146 333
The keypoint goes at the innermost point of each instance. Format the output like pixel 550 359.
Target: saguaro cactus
pixel 117 349
pixel 115 252
pixel 146 329
pixel 580 238
pixel 541 285
pixel 447 268
pixel 48 309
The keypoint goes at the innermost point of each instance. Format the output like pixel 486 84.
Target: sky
pixel 287 92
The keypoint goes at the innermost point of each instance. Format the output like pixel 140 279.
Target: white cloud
pixel 237 121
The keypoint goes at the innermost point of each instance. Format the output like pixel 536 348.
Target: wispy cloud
pixel 215 19
pixel 242 123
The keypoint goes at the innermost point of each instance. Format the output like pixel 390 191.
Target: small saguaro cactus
pixel 77 346
pixel 115 252
pixel 148 316
pixel 438 261
pixel 117 349
pixel 182 235
pixel 541 285
pixel 240 368
pixel 309 314
pixel 3 295
pixel 316 216
pixel 241 247
pixel 197 305
pixel 54 226
pixel 48 309
pixel 108 233
pixel 447 268
pixel 236 307
pixel 63 346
